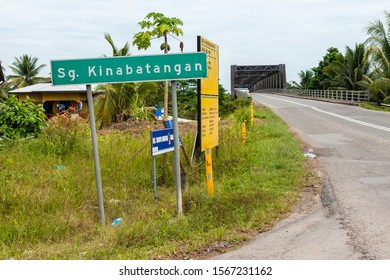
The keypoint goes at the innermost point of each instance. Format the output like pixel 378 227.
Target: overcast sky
pixel 249 32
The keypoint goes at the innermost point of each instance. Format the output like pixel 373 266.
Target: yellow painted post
pixel 209 172
pixel 252 113
pixel 243 132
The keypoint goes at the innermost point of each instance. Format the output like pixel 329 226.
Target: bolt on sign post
pixel 208 109
pixel 129 69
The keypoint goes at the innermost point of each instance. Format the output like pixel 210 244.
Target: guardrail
pixel 347 95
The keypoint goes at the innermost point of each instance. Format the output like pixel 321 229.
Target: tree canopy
pixel 157 25
pixel 26 70
pixel 364 67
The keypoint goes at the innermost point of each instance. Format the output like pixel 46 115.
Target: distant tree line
pixel 366 66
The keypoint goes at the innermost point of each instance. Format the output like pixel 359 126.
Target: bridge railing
pixel 347 95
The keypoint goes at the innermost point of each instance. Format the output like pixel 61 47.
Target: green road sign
pixel 129 69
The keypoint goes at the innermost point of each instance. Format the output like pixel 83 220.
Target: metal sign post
pixel 154 178
pixel 177 149
pixel 95 153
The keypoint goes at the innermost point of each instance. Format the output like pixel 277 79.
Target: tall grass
pixel 48 202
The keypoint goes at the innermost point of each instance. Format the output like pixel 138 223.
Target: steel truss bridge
pixel 258 77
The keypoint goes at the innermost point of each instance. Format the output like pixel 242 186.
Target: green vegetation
pixel 64 135
pixel 375 107
pixel 122 101
pixel 48 201
pixel 20 119
pixel 366 67
pixel 349 70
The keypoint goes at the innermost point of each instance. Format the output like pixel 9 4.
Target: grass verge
pixel 375 107
pixel 48 201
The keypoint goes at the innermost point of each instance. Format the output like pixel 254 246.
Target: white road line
pixel 383 128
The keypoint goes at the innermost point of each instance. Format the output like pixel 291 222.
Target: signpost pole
pixel 209 172
pixel 252 110
pixel 95 153
pixel 177 149
pixel 154 178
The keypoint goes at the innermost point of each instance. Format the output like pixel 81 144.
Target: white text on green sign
pixel 129 69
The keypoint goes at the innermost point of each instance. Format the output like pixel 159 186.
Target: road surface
pixel 350 218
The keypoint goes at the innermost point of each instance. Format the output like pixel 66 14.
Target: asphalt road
pixel 350 217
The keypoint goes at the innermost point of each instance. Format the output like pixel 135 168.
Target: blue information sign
pixel 169 124
pixel 162 141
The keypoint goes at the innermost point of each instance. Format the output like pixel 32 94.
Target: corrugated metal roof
pixel 46 87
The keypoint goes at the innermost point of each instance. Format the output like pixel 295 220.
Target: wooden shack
pixel 55 99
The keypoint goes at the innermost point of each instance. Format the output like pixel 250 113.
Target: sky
pixel 296 33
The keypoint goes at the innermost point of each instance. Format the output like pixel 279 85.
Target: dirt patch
pixel 138 128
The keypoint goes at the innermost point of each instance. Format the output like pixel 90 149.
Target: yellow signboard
pixel 209 129
pixel 209 85
pixel 208 91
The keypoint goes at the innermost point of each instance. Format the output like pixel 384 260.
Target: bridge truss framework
pixel 258 77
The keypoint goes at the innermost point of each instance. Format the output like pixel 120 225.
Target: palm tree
pixel 124 51
pixel 379 51
pixel 161 26
pixel 306 78
pixel 348 70
pixel 26 71
pixel 118 99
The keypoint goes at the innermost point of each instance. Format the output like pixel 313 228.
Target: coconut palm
pixel 158 25
pixel 124 51
pixel 306 79
pixel 26 71
pixel 348 70
pixel 379 51
pixel 378 82
pixel 118 101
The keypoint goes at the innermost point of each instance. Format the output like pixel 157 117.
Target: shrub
pixel 21 119
pixel 228 106
pixel 64 134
